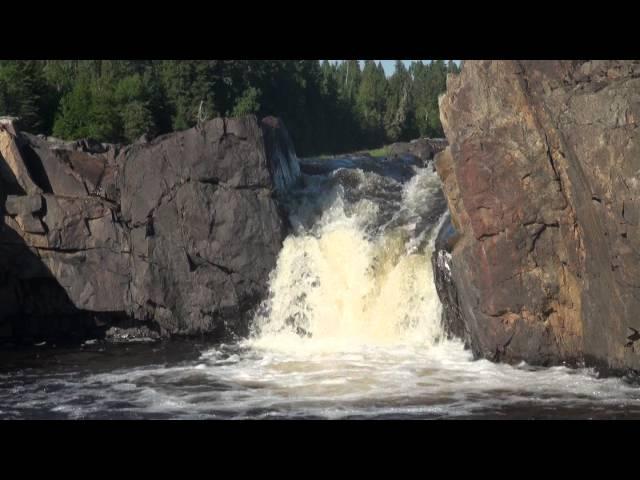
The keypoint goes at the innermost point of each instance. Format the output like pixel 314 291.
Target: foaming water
pixel 241 382
pixel 360 273
pixel 350 329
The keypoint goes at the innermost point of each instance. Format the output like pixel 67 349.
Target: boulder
pixel 421 149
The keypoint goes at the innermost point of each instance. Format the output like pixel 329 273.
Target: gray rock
pixel 141 334
pixel 23 205
pixel 421 149
pixel 179 233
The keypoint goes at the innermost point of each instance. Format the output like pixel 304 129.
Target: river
pixel 350 330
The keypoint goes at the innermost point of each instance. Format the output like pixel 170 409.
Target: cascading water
pixel 356 272
pixel 350 329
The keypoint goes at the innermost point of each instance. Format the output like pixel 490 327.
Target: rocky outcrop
pixel 542 262
pixel 421 149
pixel 178 234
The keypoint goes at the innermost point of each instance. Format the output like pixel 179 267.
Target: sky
pixel 389 65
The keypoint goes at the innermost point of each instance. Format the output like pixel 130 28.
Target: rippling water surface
pixel 186 381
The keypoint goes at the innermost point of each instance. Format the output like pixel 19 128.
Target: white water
pixel 351 329
pixel 338 288
pixel 366 382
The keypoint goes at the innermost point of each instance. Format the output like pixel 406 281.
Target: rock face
pixel 179 233
pixel 542 260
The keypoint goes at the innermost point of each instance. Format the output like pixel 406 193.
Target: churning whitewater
pixel 350 329
pixel 358 274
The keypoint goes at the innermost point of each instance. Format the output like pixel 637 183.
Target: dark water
pixel 193 380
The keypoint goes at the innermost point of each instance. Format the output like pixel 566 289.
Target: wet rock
pixel 180 231
pixel 129 335
pixel 421 149
pixel 280 154
pixel 452 317
pixel 541 178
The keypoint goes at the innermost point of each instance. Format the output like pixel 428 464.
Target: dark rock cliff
pixel 178 233
pixel 542 260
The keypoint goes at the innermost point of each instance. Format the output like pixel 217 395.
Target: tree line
pixel 327 107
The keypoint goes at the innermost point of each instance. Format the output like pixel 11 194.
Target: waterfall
pixel 350 329
pixel 356 270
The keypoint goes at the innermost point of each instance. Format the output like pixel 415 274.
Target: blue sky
pixel 389 65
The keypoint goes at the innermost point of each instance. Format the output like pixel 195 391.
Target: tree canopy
pixel 327 107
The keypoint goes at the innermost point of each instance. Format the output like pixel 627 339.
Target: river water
pixel 350 330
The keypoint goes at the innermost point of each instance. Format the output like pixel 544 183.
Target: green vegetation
pixel 328 108
pixel 378 152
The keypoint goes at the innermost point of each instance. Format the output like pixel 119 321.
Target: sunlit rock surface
pixel 180 232
pixel 541 178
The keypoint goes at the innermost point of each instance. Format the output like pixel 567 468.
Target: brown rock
pixel 541 177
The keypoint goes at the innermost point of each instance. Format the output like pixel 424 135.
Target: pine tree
pixel 23 93
pixel 328 107
pixel 399 115
pixel 73 120
pixel 371 101
pixel 187 85
pixel 133 102
pixel 247 103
